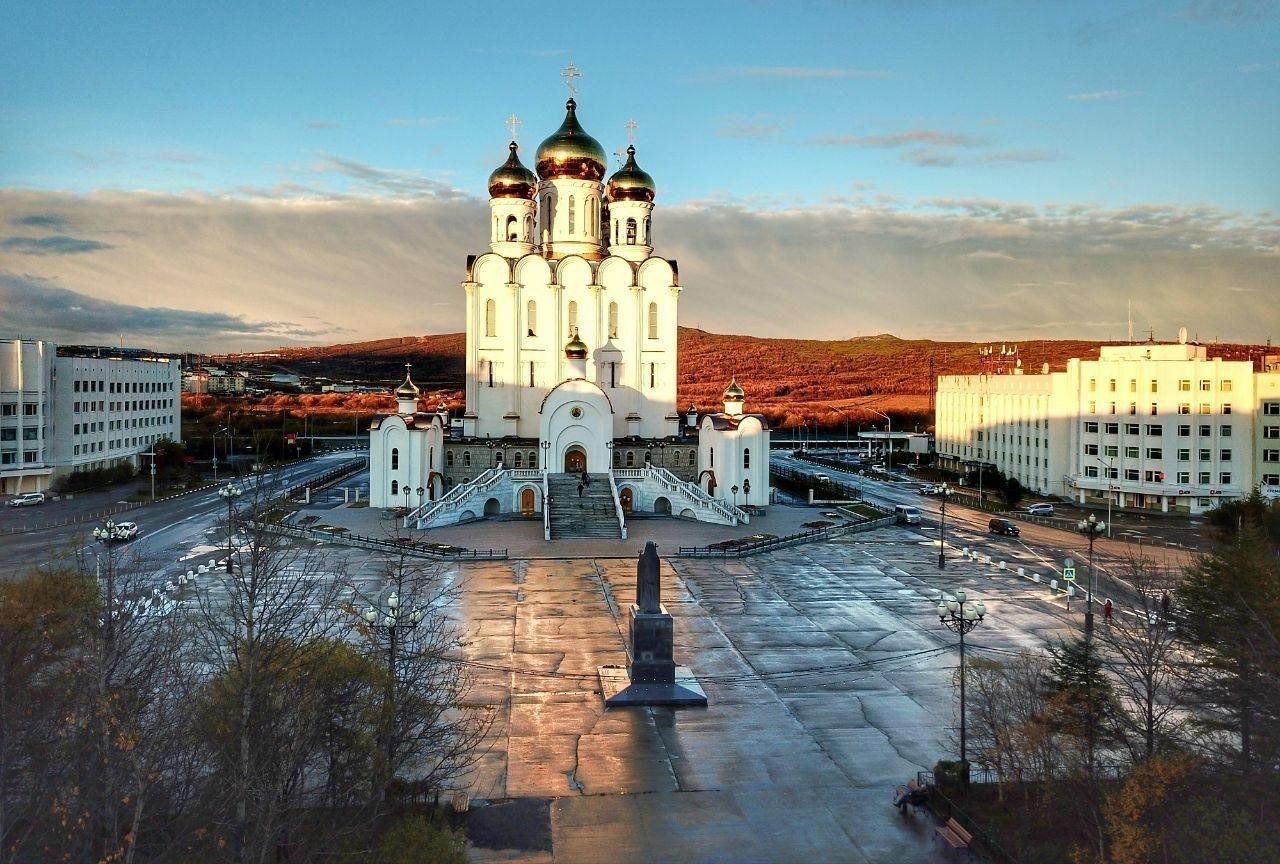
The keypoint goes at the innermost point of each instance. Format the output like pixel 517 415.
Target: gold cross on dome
pixel 570 74
pixel 631 126
pixel 513 126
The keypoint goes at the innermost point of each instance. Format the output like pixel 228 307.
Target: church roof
pixel 631 182
pixel 570 151
pixel 418 420
pixel 722 422
pixel 511 179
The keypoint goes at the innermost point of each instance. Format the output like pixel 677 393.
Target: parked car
pixel 1004 527
pixel 907 515
pixel 125 531
pixel 1040 509
pixel 821 478
pixel 27 499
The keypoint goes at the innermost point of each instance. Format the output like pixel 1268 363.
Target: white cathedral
pixel 570 371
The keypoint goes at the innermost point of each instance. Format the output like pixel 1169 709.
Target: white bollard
pixel 213 563
pixel 1022 571
pixel 203 569
pixel 1053 584
pixel 1035 577
pixel 1000 565
pixel 1071 590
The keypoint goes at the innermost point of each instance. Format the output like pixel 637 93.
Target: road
pixel 172 531
pixel 1043 547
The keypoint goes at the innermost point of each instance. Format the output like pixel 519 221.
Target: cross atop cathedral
pixel 513 126
pixel 570 74
pixel 631 126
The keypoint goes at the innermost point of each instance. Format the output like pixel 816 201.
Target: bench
pixel 953 833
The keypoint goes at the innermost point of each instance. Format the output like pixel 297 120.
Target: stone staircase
pixel 593 515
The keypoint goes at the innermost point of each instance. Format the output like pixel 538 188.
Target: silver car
pixel 27 499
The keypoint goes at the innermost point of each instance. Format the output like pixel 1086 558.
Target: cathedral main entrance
pixel 575 460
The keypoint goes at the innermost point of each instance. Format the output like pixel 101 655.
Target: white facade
pixel 1155 426
pixel 64 413
pixel 733 452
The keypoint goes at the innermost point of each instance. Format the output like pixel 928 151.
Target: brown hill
pixel 792 381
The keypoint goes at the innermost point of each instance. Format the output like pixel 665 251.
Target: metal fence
pixel 433 551
pixel 756 547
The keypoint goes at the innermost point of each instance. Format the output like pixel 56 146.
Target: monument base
pixel 621 692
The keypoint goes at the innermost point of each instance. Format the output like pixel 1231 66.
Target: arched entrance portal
pixel 575 460
pixel 663 506
pixel 626 497
pixel 527 502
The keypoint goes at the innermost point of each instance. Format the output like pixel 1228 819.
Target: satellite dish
pixel 1182 335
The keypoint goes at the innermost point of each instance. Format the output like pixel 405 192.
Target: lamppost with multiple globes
pixel 392 617
pixel 943 490
pixel 1091 528
pixel 230 493
pixel 960 616
pixel 105 534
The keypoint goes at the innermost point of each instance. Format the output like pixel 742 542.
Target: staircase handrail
pixel 672 483
pixel 617 505
pixel 456 496
pixel 546 506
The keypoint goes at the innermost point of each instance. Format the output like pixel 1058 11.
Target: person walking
pixel 579 488
pixel 586 479
pixel 1106 612
pixel 1164 605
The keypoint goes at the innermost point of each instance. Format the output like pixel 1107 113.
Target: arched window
pixel 746 458
pixel 533 458
pixel 519 461
pixel 497 227
pixel 653 320
pixel 490 318
pixel 615 232
pixel 448 458
pixel 617 458
pixel 528 229
pixel 631 458
pixel 571 213
pixel 591 219
pixel 648 231
pixel 395 458
pixel 512 233
pixel 431 457
pixel 466 458
pixel 531 318
pixel 395 487
pixel 573 316
pixel 712 452
pixel 613 320
pixel 675 459
pixel 631 232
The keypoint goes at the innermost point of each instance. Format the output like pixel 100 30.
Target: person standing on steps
pixel 586 479
pixel 579 488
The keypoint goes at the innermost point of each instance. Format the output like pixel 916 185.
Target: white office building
pixel 66 410
pixel 1151 426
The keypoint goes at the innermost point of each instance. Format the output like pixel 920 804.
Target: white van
pixel 907 515
pixel 27 499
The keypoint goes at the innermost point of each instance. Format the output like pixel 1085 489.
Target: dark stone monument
pixel 652 677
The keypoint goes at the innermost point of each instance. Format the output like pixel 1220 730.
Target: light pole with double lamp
pixel 1091 528
pixel 942 530
pixel 960 616
pixel 230 493
pixel 392 617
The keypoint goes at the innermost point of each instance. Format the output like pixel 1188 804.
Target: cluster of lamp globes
pixel 392 617
pixel 1092 525
pixel 230 491
pixel 105 532
pixel 957 608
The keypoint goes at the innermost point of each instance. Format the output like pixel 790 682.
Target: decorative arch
pixel 707 480
pixel 492 507
pixel 574 271
pixel 654 273
pixel 662 505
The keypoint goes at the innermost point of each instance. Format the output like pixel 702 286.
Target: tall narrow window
pixel 395 487
pixel 528 229
pixel 613 373
pixel 395 458
pixel 571 214
pixel 648 231
pixel 466 458
pixel 488 365
pixel 512 231
pixel 531 379
pixel 631 232
pixel 613 320
pixel 652 376
pixel 746 458
pixel 615 232
pixel 531 318
pixel 653 320
pixel 490 318
pixel 712 453
pixel 573 316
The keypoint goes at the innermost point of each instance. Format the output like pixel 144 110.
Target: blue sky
pixel 1001 113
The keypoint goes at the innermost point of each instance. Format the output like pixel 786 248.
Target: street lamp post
pixel 942 530
pixel 230 493
pixel 888 459
pixel 391 619
pixel 1110 471
pixel 1091 528
pixel 546 450
pixel 734 490
pixel 960 616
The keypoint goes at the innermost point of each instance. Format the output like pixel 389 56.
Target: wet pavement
pixel 828 680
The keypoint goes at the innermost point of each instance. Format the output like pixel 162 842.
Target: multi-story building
pixel 1152 426
pixel 65 410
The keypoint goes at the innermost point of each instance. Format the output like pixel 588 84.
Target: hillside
pixel 790 380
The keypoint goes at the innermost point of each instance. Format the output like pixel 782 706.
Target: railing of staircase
pixel 701 499
pixel 617 505
pixel 546 507
pixel 456 496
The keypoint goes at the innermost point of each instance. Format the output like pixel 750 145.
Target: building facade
pixel 66 410
pixel 1151 426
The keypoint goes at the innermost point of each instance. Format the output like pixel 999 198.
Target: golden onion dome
pixel 570 151
pixel 512 179
pixel 631 183
pixel 407 390
pixel 733 393
pixel 576 349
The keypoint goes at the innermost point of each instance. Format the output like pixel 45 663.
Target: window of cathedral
pixel 653 320
pixel 395 487
pixel 571 214
pixel 532 380
pixel 617 458
pixel 395 458
pixel 653 369
pixel 531 318
pixel 488 366
pixel 466 459
pixel 615 233
pixel 512 230
pixel 711 451
pixel 675 459
pixel 631 232
pixel 533 459
pixel 528 229
pixel 573 316
pixel 631 458
pixel 448 458
pixel 519 460
pixel 613 320
pixel 746 458
pixel 648 234
pixel 490 318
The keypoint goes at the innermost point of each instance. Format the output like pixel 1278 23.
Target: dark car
pixel 1002 526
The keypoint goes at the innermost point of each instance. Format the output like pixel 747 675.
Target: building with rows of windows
pixel 570 361
pixel 71 409
pixel 1151 426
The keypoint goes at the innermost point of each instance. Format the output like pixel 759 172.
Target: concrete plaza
pixel 827 686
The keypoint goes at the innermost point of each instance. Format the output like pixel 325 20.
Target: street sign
pixel 1069 574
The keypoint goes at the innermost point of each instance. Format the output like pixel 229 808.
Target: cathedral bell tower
pixel 631 193
pixel 511 204
pixel 571 167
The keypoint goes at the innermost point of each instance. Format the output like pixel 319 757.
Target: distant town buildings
pixel 214 381
pixel 75 408
pixel 1149 426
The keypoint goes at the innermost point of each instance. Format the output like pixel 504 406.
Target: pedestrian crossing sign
pixel 1069 574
